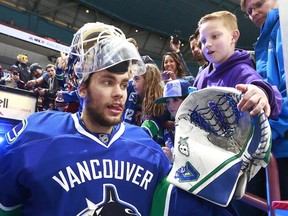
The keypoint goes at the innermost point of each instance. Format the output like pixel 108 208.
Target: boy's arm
pixel 254 98
pixel 259 97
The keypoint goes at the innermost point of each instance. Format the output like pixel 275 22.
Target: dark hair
pixel 34 67
pixel 179 66
pixel 14 68
pixel 195 35
pixel 121 67
pixel 86 82
pixel 50 66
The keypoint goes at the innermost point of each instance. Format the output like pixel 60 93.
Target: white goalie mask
pixel 99 46
pixel 217 147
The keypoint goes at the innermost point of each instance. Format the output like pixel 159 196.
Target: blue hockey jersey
pixel 133 106
pixel 53 165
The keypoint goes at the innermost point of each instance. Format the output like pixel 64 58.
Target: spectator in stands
pixel 68 101
pixel 22 63
pixel 39 81
pixel 172 67
pixel 270 64
pixel 65 74
pixel 49 94
pixel 133 104
pixel 40 77
pixel 175 47
pixel 132 108
pixel 13 78
pixel 147 87
pixel 174 94
pixel 195 46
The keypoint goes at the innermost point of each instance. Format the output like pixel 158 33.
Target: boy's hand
pixel 255 98
pixel 167 151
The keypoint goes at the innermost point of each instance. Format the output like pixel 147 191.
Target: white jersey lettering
pixel 73 178
pixel 84 171
pixel 93 164
pixel 63 182
pixel 107 169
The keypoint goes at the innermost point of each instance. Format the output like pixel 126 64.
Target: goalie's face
pixel 104 95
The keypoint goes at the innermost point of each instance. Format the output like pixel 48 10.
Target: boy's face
pixel 173 105
pixel 51 72
pixel 217 41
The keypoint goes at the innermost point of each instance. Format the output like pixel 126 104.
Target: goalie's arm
pixel 170 200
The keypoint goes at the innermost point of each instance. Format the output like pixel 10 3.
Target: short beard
pixel 103 121
pixel 97 117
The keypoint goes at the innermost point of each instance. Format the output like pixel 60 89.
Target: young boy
pixel 233 68
pixel 174 94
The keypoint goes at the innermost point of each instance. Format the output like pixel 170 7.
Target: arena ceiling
pixel 150 22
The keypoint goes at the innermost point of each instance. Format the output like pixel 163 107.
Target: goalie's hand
pixel 255 98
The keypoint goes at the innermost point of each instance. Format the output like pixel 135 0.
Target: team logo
pixel 133 97
pixel 104 138
pixel 183 146
pixel 12 135
pixel 187 173
pixel 110 205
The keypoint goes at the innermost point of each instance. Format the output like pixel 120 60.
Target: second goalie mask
pixel 218 148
